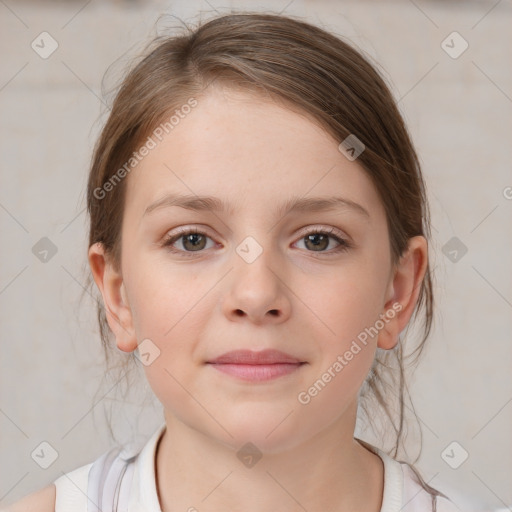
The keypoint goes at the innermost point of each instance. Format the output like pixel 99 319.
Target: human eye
pixel 318 239
pixel 191 240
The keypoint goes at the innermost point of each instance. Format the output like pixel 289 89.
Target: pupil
pixel 194 240
pixel 317 239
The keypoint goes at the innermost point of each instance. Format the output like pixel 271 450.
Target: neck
pixel 331 471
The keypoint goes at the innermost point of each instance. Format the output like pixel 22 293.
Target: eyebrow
pixel 295 204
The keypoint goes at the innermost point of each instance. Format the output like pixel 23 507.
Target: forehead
pixel 250 152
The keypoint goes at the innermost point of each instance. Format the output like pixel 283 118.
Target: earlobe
pixel 111 285
pixel 403 291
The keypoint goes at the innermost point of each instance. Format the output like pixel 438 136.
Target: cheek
pixel 166 298
pixel 346 346
pixel 171 382
pixel 168 313
pixel 344 302
pixel 336 385
pixel 170 306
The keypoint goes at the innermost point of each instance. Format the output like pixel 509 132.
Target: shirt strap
pixel 104 483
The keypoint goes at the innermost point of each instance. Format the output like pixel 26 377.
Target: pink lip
pixel 268 356
pixel 256 366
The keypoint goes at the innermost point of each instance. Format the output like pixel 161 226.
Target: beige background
pixel 459 111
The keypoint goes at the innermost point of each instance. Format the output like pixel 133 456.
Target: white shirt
pixel 138 493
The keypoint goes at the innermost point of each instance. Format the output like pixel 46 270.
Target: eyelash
pixel 170 240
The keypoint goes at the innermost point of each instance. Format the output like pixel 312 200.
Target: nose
pixel 257 291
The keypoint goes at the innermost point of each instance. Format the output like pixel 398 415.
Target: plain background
pixel 459 111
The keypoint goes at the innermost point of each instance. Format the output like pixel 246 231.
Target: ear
pixel 112 288
pixel 403 291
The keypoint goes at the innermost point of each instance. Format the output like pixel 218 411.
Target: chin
pixel 270 434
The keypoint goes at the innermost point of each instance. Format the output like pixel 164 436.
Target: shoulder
pixel 68 492
pixel 42 500
pixel 445 505
pixel 72 489
pixel 418 495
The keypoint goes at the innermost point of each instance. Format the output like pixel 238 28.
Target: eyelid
pixel 181 231
pixel 331 230
pixel 343 242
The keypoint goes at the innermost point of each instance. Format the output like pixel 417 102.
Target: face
pixel 201 282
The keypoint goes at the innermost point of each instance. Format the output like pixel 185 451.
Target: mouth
pixel 256 366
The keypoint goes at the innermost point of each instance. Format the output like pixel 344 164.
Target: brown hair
pixel 310 70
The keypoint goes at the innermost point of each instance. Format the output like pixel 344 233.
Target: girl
pixel 258 233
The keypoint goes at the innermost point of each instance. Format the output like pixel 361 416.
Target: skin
pixel 255 154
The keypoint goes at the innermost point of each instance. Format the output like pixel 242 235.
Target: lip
pixel 250 357
pixel 256 366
